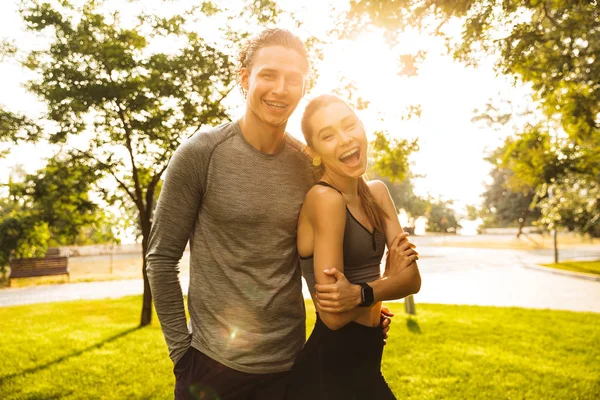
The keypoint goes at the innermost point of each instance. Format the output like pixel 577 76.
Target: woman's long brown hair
pixel 374 212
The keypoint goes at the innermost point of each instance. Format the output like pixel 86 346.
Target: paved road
pixel 451 275
pixel 500 278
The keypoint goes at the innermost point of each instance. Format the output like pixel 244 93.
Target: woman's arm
pixel 402 276
pixel 327 215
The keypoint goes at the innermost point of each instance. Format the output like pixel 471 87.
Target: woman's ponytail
pixel 375 213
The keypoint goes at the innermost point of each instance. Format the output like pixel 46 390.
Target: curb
pixel 572 274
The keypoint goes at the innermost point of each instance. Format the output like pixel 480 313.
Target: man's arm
pixel 173 221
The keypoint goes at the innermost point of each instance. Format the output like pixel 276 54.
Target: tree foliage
pixel 22 235
pixel 404 197
pixel 391 156
pixel 441 217
pixel 101 78
pixel 59 194
pixel 552 45
pixel 505 205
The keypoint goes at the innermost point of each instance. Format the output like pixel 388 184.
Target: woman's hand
pixel 401 254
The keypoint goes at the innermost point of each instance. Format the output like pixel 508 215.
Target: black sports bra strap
pixel 322 183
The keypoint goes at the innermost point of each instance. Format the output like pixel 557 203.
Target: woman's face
pixel 339 139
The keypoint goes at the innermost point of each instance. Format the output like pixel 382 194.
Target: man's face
pixel 275 84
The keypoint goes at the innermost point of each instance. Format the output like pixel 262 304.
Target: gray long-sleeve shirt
pixel 238 207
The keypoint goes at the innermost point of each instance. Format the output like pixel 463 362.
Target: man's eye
pixel 268 76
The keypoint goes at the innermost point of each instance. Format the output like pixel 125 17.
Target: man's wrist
pixel 358 295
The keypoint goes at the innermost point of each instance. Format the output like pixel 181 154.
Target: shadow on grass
pixel 35 369
pixel 47 396
pixel 413 326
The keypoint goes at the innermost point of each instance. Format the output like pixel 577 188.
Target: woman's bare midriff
pixel 372 318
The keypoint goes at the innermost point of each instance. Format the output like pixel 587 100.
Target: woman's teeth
pixel 348 154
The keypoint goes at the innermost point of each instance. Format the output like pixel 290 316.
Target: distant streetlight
pixel 554 231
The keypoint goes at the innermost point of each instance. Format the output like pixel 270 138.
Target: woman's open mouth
pixel 351 157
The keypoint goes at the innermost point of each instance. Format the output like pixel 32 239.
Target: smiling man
pixel 234 192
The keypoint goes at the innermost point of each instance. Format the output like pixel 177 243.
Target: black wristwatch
pixel 366 294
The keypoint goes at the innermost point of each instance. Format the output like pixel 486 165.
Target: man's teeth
pixel 276 105
pixel 348 153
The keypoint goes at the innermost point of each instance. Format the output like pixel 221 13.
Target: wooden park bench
pixel 51 264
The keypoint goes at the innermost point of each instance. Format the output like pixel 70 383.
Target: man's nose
pixel 280 86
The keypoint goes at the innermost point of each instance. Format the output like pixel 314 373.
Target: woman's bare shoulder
pixel 322 201
pixel 379 189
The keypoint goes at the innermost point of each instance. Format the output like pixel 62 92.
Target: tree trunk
pixel 147 297
pixel 524 216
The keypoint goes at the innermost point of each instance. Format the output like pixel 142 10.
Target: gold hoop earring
pixel 316 161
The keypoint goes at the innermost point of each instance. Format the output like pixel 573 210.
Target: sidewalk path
pixel 451 275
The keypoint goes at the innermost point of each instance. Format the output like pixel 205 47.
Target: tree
pixel 405 198
pixel 553 45
pixel 99 77
pixel 503 206
pixel 391 156
pixel 441 217
pixel 59 194
pixel 22 235
pixel 573 203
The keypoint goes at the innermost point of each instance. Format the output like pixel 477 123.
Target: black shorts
pixel 198 376
pixel 344 364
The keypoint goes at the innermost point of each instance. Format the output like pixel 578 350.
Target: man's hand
pixel 386 320
pixel 340 296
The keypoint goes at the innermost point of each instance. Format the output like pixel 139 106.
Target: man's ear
pixel 245 78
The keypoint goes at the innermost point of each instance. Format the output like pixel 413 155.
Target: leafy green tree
pixel 405 198
pixel 22 235
pixel 391 156
pixel 441 217
pixel 59 194
pixel 101 78
pixel 503 206
pixel 14 129
pixel 573 203
pixel 552 45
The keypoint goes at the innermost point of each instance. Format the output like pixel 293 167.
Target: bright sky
pixel 451 146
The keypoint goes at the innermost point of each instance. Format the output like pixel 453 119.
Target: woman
pixel 345 223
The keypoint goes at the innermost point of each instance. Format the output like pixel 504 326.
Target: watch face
pixel 366 293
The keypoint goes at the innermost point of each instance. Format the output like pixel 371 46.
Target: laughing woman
pixel 345 223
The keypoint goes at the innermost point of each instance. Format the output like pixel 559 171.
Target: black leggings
pixel 342 364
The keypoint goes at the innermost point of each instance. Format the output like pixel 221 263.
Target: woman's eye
pixel 350 127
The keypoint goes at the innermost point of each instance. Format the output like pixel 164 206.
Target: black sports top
pixel 363 251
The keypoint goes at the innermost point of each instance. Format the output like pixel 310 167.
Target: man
pixel 235 192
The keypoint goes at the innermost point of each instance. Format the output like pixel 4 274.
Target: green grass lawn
pixel 94 350
pixel 588 267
